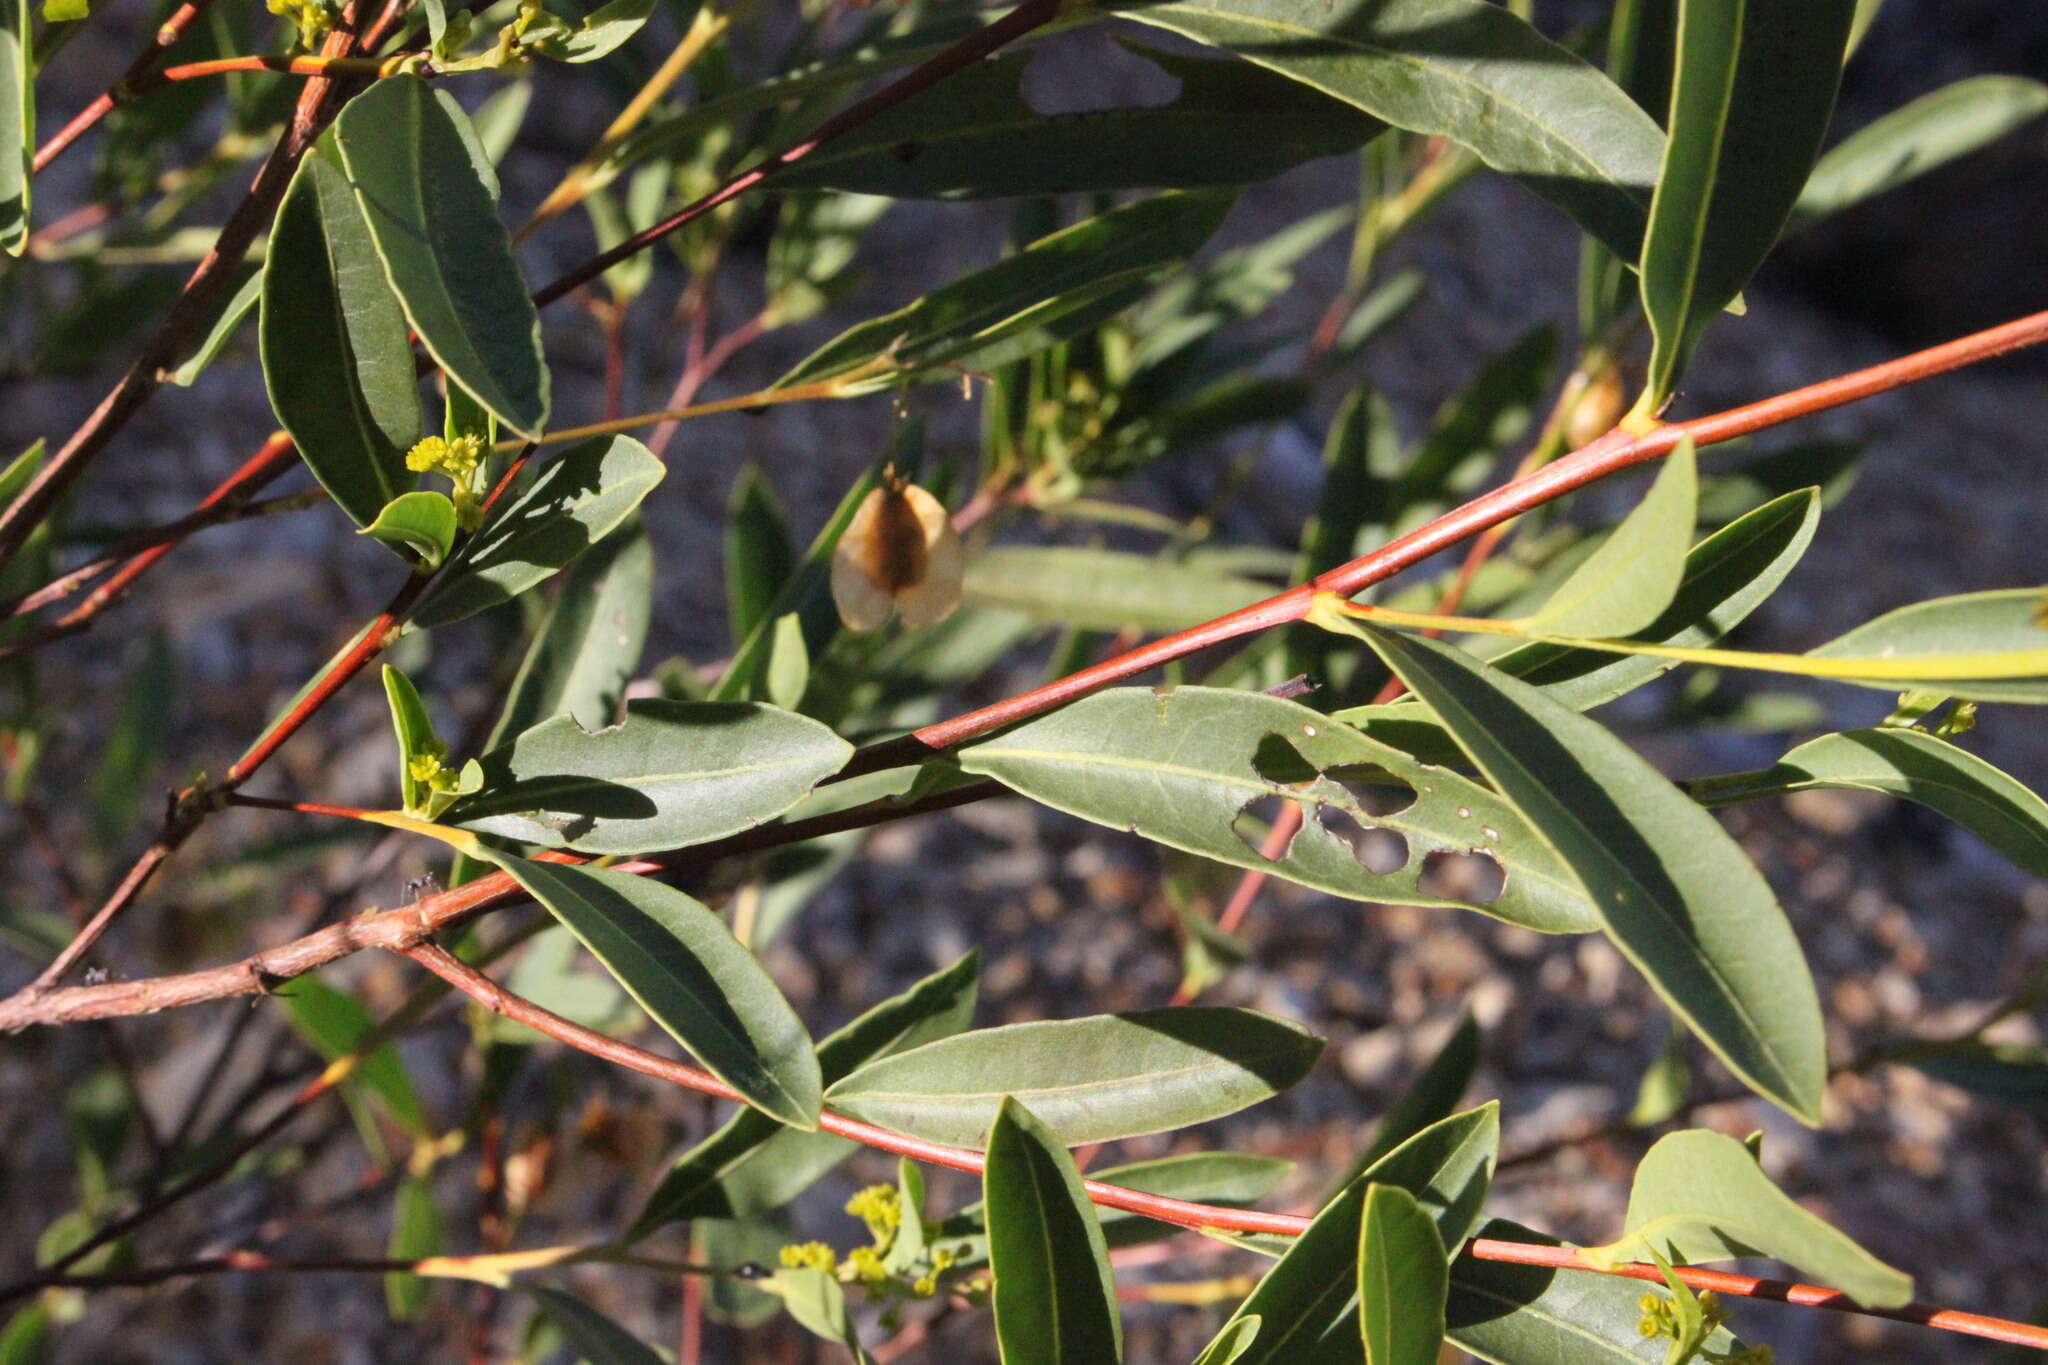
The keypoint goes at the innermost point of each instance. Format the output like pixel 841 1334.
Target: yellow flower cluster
pixel 881 1208
pixel 457 459
pixel 314 18
pixel 810 1256
pixel 1660 1319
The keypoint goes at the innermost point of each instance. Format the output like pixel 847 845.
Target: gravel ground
pixel 1911 927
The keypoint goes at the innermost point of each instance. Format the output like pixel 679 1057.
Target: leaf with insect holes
pixel 1187 767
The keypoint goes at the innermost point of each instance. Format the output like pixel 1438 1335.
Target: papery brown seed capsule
pixel 1597 409
pixel 899 552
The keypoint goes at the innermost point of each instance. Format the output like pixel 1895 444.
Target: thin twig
pixel 163 40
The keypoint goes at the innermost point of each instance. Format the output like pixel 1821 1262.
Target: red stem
pixel 166 37
pixel 1180 1212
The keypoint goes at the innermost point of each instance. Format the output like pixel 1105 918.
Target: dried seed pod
pixel 899 552
pixel 1598 408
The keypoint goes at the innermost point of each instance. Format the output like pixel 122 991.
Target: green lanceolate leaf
pixel 1983 646
pixel 1231 124
pixel 754 1164
pixel 1402 1279
pixel 1054 1297
pixel 1095 589
pixel 816 1301
pixel 1700 1196
pixel 415 1235
pixel 577 501
pixel 1431 1097
pixel 421 521
pixel 688 972
pixel 758 556
pixel 1182 768
pixel 669 775
pixel 230 317
pixel 1090 1080
pixel 1460 69
pixel 589 643
pixel 1675 892
pixel 1754 90
pixel 1232 1342
pixel 415 731
pixel 17 122
pixel 1913 764
pixel 1231 1179
pixel 1532 1315
pixel 433 218
pixel 335 356
pixel 1932 131
pixel 1625 585
pixel 336 1024
pixel 602 32
pixel 1309 1301
pixel 1029 301
pixel 1727 576
pixel 594 1337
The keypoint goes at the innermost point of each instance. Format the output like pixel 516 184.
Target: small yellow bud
pixel 865 1264
pixel 924 1286
pixel 880 1208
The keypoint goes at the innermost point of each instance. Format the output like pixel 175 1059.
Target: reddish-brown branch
pixel 1180 1212
pixel 1779 1291
pixel 196 304
pixel 165 38
pixel 1616 451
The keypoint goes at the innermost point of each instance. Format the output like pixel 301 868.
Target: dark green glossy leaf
pixel 1030 300
pixel 1627 584
pixel 1932 131
pixel 753 1163
pixel 1181 767
pixel 1461 69
pixel 1402 1279
pixel 1092 1080
pixel 335 1024
pixel 17 123
pixel 1532 1315
pixel 1309 1302
pixel 977 137
pixel 433 217
pixel 335 356
pixel 421 521
pixel 1754 90
pixel 577 501
pixel 590 1334
pixel 1676 893
pixel 588 645
pixel 669 775
pixel 1054 1296
pixel 1700 1196
pixel 688 972
pixel 1912 764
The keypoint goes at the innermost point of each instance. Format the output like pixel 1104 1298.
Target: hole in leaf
pixel 1475 878
pixel 1254 823
pixel 1381 852
pixel 1377 791
pixel 1276 760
